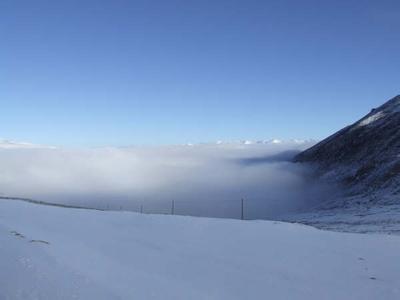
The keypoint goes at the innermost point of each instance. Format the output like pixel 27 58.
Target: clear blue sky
pixel 93 73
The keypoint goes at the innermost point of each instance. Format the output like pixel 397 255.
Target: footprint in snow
pixel 39 241
pixel 17 234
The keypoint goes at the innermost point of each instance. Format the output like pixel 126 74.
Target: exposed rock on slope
pixel 364 157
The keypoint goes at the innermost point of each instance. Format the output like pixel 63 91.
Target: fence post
pixel 173 207
pixel 242 215
pixel 141 208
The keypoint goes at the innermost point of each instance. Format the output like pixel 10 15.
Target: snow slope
pixel 383 219
pixel 59 253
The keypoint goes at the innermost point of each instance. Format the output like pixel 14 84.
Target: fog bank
pixel 204 180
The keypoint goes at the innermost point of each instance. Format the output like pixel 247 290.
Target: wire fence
pixel 237 209
pixel 240 208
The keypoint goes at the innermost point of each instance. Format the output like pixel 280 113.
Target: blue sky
pixel 95 73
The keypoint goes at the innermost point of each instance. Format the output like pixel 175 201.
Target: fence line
pixel 119 207
pixel 173 209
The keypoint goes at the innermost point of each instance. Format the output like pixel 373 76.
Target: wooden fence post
pixel 242 215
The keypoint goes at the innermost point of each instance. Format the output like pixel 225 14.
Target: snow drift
pixel 58 253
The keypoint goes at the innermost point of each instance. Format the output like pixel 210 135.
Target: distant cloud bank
pixel 204 179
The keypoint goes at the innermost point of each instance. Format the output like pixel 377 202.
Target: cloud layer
pixel 206 180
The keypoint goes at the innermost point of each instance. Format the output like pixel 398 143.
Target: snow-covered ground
pixel 383 219
pixel 61 253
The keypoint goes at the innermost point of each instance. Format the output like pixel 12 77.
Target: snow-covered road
pixel 59 253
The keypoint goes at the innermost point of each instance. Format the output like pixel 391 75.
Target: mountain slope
pixel 363 157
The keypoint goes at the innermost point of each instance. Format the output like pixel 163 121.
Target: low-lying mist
pixel 203 180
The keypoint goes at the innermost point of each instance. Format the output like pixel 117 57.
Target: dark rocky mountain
pixel 364 157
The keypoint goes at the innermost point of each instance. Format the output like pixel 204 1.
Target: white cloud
pixel 206 179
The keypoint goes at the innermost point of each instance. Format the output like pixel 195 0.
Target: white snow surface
pixel 371 119
pixel 123 255
pixel 389 108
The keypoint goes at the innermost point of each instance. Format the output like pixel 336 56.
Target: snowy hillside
pixel 59 253
pixel 363 157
